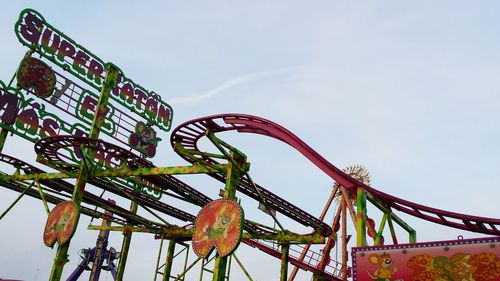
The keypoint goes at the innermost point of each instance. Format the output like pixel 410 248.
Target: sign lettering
pixel 34 32
pixel 29 120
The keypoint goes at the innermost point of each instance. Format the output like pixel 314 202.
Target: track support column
pixel 237 164
pixel 361 218
pixel 102 242
pixel 127 239
pixel 285 249
pixel 344 240
pixel 169 260
pixel 112 75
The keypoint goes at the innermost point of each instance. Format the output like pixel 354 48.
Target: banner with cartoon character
pixel 219 225
pixel 465 259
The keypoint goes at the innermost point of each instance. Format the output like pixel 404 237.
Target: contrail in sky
pixel 229 84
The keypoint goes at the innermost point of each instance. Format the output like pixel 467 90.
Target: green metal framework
pixel 113 86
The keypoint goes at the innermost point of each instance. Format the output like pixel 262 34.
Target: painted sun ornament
pixel 61 224
pixel 218 225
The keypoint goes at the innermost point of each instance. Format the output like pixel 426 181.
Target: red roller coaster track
pixel 189 133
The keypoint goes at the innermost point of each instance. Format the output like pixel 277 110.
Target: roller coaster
pixel 104 139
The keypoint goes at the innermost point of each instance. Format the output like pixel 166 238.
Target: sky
pixel 407 89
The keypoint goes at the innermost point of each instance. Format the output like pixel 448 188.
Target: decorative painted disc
pixel 218 225
pixel 61 224
pixel 37 75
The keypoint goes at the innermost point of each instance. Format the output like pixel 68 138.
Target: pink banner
pixel 471 259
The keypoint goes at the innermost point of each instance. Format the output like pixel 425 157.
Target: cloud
pixel 231 83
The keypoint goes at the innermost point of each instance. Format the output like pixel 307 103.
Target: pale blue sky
pixel 408 89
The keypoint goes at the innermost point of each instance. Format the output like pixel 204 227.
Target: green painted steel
pixel 169 260
pixel 236 168
pixel 29 27
pixel 219 273
pixel 177 170
pixel 242 267
pixel 158 258
pixel 181 233
pixel 185 261
pixel 361 218
pixel 285 248
pixel 16 200
pixel 42 196
pixel 381 229
pixel 229 267
pixel 412 237
pixel 183 274
pixel 393 217
pixel 100 247
pixel 3 138
pixel 83 174
pixel 36 177
pixel 393 231
pixel 127 239
pixel 119 172
pixel 202 269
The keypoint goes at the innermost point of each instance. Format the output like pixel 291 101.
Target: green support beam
pixel 157 266
pixel 233 174
pixel 242 267
pixel 100 247
pixel 112 75
pixel 37 176
pixel 361 217
pixel 127 239
pixel 393 217
pixel 169 260
pixel 16 200
pixel 181 233
pixel 120 172
pixel 381 229
pixel 42 197
pixel 3 138
pixel 285 248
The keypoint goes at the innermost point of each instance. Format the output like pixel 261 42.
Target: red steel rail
pixel 189 133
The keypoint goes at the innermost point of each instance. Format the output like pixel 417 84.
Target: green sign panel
pixel 34 32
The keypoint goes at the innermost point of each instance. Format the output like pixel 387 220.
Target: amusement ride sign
pixel 463 259
pixel 46 102
pixel 34 32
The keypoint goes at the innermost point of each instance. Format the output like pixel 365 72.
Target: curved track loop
pixel 51 149
pixel 188 134
pixel 54 151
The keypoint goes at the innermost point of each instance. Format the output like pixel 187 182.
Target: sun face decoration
pixel 218 225
pixel 358 172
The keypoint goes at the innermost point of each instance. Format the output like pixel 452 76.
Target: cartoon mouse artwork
pixel 61 224
pixel 218 225
pixel 384 272
pixel 144 139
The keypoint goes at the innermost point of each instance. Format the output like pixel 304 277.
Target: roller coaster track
pixel 50 148
pixel 89 198
pixel 189 133
pixel 113 187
